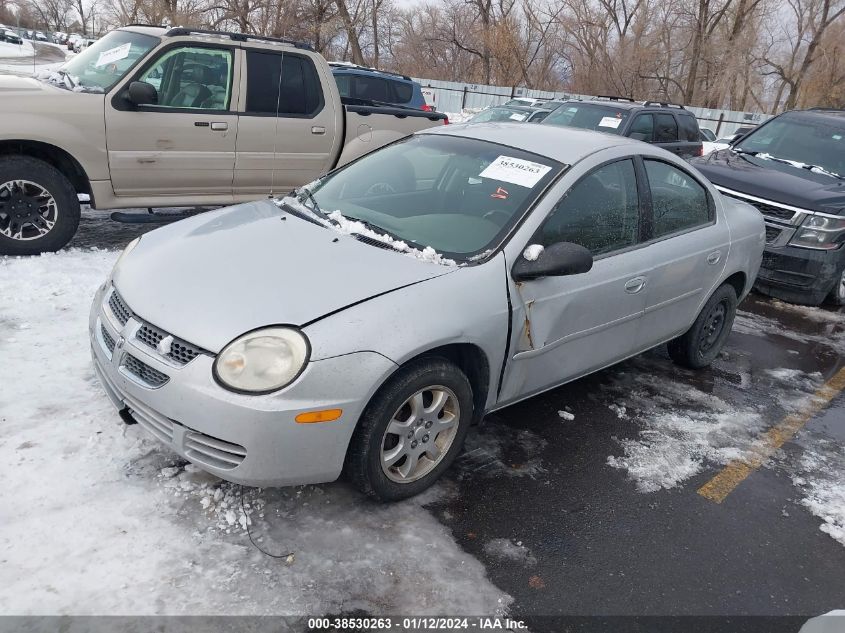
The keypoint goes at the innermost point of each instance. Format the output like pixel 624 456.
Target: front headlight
pixel 126 251
pixel 819 231
pixel 263 360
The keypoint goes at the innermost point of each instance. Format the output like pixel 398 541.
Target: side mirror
pixel 557 260
pixel 142 93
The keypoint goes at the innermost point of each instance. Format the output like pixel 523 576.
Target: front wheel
pixel 39 208
pixel 411 431
pixel 699 346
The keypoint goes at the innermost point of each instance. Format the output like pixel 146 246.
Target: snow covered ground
pixel 97 518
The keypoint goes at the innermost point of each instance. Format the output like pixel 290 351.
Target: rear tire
pixel 39 208
pixel 411 431
pixel 700 345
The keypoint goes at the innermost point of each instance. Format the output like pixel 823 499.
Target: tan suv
pixel 151 117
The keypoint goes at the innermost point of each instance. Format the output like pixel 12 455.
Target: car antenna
pixel 276 128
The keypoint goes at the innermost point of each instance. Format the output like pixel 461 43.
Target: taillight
pixel 446 121
pixel 427 108
pixel 700 151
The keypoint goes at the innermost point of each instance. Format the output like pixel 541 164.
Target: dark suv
pixel 380 86
pixel 792 168
pixel 667 125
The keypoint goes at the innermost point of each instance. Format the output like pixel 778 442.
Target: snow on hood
pixel 66 81
pixel 213 277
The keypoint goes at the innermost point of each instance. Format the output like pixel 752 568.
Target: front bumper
pixel 800 275
pixel 252 440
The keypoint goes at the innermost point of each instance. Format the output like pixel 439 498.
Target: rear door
pixel 288 128
pixel 690 135
pixel 688 245
pixel 666 132
pixel 185 144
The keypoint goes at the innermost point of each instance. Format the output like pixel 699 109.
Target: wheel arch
pixel 739 282
pixel 52 155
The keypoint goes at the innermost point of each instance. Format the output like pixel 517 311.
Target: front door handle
pixel 714 257
pixel 633 286
pixel 318 129
pixel 219 126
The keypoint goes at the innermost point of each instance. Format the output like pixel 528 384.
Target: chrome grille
pixel 212 451
pixel 179 351
pixel 119 308
pixel 152 377
pixel 107 338
pixel 768 209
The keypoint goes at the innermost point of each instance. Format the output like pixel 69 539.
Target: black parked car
pixel 792 168
pixel 670 126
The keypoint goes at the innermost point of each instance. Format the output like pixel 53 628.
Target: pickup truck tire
pixel 417 423
pixel 837 295
pixel 39 208
pixel 699 346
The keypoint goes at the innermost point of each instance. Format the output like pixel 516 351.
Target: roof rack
pixel 152 26
pixel 376 70
pixel 663 104
pixel 237 37
pixel 615 98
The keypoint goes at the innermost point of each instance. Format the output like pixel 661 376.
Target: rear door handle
pixel 219 126
pixel 714 257
pixel 633 286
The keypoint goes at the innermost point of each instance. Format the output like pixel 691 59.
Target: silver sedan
pixel 361 324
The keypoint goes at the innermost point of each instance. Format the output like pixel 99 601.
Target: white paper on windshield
pixel 113 54
pixel 517 117
pixel 515 171
pixel 610 121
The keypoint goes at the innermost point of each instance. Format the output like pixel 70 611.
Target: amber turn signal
pixel 310 417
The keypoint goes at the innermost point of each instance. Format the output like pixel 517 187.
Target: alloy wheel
pixel 27 210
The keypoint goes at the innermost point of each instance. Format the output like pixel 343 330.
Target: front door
pixel 184 144
pixel 565 327
pixel 287 133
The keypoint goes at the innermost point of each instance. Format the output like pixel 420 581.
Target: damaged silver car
pixel 361 324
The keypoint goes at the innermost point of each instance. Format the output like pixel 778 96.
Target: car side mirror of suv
pixel 142 93
pixel 557 260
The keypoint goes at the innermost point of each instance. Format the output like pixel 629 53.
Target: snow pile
pixel 821 477
pixel 463 116
pixel 98 518
pixel 566 415
pixel 532 252
pixel 505 549
pixel 65 81
pixel 813 168
pixel 682 430
pixel 8 50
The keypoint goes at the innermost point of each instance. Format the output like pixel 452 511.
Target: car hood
pixel 772 180
pixel 10 84
pixel 210 278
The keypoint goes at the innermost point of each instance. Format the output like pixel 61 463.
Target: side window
pixel 601 212
pixel 370 88
pixel 689 128
pixel 665 129
pixel 642 128
pixel 679 202
pixel 402 91
pixel 189 77
pixel 343 86
pixel 284 84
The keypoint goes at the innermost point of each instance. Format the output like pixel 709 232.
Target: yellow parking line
pixel 735 472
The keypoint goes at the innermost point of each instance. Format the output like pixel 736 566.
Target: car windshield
pixel 499 113
pixel 104 63
pixel 459 196
pixel 588 117
pixel 805 140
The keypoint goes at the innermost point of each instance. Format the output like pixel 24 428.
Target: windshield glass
pixel 499 114
pixel 457 195
pixel 103 64
pixel 800 139
pixel 589 117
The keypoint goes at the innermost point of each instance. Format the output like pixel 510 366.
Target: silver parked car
pixel 361 324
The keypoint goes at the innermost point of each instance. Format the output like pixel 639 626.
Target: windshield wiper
pixel 821 170
pixel 298 212
pixel 375 228
pixel 67 77
pixel 798 164
pixel 305 192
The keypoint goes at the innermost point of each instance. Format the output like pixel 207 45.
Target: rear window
pixel 689 128
pixel 589 117
pixel 371 88
pixel 665 129
pixel 404 91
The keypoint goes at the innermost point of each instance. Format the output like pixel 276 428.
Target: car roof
pixel 830 115
pixel 563 144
